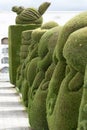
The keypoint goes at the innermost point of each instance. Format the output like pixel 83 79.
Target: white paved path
pixel 13 115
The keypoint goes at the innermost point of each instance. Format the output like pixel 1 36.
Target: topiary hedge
pixel 65 107
pixel 30 15
pixel 31 63
pixel 39 89
pixel 14 38
pixel 27 19
pixel 77 45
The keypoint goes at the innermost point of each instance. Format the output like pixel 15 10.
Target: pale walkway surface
pixel 13 115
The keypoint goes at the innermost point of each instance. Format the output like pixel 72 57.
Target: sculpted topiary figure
pixel 54 85
pixel 30 63
pixel 38 93
pixel 27 19
pixel 75 52
pixel 31 46
pixel 62 110
pixel 30 15
pixel 25 43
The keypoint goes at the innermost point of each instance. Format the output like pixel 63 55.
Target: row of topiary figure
pixel 52 75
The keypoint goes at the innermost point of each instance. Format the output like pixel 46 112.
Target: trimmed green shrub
pixel 19 78
pixel 49 25
pixel 14 48
pixel 24 89
pixel 37 80
pixel 77 22
pixel 23 55
pixel 24 48
pixel 30 64
pixel 37 107
pixel 46 47
pixel 53 89
pixel 33 48
pixel 63 113
pixel 39 89
pixel 37 100
pixel 19 83
pixel 37 34
pixel 26 37
pixel 67 103
pixel 30 15
pixel 75 52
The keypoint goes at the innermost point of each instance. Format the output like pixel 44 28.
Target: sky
pixel 56 5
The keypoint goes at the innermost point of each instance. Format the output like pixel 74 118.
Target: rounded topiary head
pixel 75 50
pixel 37 33
pixel 30 15
pixel 46 47
pixel 47 42
pixel 49 25
pixel 72 25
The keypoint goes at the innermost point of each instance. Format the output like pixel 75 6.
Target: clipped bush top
pixel 75 49
pixel 49 25
pixel 30 15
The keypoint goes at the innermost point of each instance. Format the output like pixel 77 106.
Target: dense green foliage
pixel 63 101
pixel 30 63
pixel 14 48
pixel 49 67
pixel 39 89
pixel 30 15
